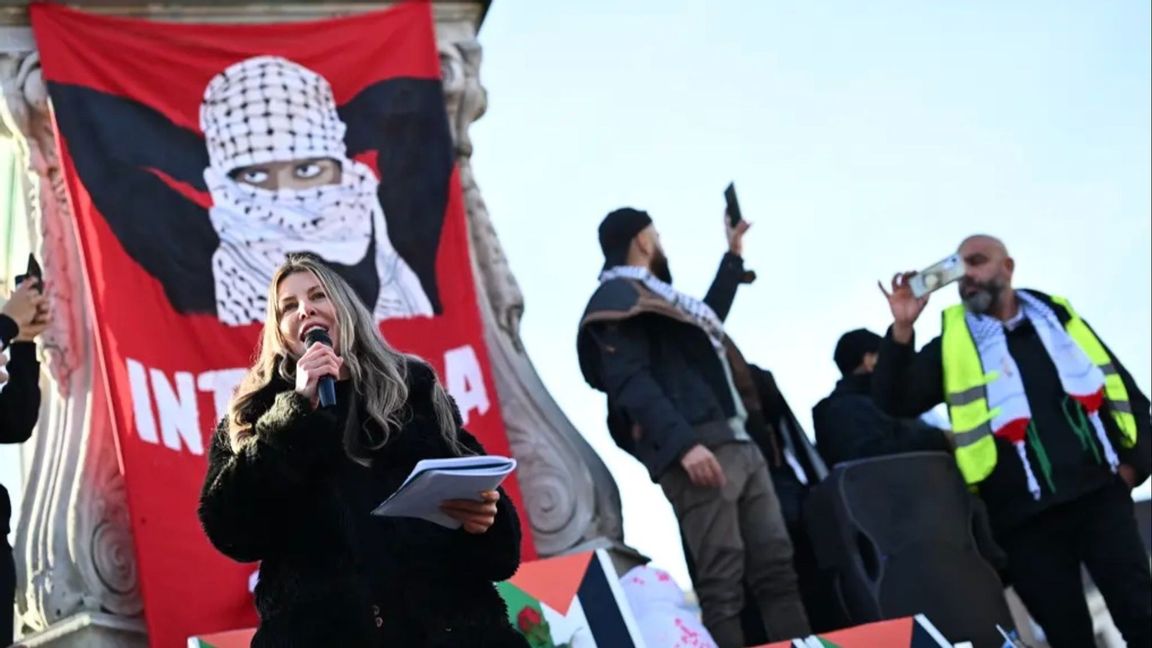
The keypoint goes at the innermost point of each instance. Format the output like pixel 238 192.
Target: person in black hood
pixel 850 425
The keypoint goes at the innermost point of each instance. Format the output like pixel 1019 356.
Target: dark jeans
pixel 736 534
pixel 1099 531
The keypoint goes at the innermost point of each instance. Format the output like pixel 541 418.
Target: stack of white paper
pixel 435 480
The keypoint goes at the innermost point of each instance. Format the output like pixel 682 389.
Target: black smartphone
pixel 33 270
pixel 732 205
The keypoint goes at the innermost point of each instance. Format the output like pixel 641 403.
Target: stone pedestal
pixel 77 581
pixel 90 630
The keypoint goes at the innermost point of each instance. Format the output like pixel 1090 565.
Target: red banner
pixel 196 156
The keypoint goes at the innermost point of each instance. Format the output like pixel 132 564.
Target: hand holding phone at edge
pixel 29 308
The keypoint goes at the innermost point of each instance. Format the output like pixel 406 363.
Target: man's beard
pixel 986 296
pixel 658 266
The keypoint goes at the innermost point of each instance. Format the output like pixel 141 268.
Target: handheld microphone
pixel 326 386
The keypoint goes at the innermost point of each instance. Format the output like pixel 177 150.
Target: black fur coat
pixel 330 573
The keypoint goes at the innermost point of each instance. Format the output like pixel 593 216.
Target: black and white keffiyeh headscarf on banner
pixel 268 109
pixel 699 312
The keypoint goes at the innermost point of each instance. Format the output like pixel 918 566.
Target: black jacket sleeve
pixel 907 383
pixel 626 372
pixel 20 400
pixel 9 329
pixel 256 501
pixel 723 290
pixel 1140 455
pixel 850 428
pixel 495 554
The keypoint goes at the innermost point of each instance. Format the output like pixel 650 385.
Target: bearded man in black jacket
pixel 683 401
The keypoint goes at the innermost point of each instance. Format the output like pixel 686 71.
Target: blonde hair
pixel 378 372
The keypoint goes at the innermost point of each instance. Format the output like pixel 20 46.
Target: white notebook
pixel 434 480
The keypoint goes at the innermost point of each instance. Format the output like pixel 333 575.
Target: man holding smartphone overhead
pixel 1050 430
pixel 682 400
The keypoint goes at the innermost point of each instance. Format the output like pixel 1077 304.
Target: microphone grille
pixel 317 334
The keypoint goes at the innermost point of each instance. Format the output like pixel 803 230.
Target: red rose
pixel 528 619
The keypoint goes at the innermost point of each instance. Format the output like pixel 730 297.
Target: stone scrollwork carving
pixel 467 100
pixel 28 120
pixel 73 543
pixel 570 495
pixel 110 550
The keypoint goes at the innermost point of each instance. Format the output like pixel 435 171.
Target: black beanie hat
pixel 617 231
pixel 851 348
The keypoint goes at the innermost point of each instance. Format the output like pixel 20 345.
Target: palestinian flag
pixel 571 600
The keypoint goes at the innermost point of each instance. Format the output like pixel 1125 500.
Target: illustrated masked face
pixel 281 182
pixel 294 175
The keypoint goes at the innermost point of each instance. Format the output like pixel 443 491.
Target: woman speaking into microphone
pixel 292 484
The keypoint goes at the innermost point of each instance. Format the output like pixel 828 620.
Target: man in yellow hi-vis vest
pixel 1050 430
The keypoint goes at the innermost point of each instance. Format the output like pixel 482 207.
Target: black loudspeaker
pixel 897 533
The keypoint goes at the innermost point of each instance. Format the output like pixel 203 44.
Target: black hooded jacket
pixel 850 425
pixel 666 385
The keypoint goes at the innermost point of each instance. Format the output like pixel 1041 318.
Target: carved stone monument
pixel 77 581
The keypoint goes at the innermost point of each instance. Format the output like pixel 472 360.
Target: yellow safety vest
pixel 965 390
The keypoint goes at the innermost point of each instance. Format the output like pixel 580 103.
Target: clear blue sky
pixel 864 138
